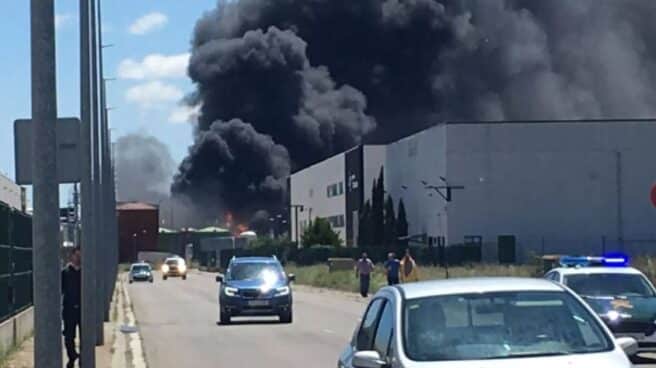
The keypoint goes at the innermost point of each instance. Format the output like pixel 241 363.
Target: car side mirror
pixel 291 277
pixel 219 278
pixel 628 344
pixel 368 359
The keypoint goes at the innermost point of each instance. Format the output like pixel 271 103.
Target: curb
pixel 128 349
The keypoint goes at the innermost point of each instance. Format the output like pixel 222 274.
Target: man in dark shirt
pixel 363 269
pixel 71 290
pixel 392 266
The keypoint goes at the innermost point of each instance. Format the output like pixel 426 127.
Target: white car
pixel 622 296
pixel 483 323
pixel 174 267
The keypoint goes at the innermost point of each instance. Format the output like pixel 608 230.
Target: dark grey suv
pixel 255 286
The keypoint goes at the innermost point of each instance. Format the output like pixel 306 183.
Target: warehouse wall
pixel 409 161
pixel 309 188
pixel 555 186
pixel 144 223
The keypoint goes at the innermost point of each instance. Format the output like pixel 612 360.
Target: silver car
pixel 483 323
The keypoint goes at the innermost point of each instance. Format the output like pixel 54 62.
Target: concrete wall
pixel 16 329
pixel 417 158
pixel 10 192
pixel 558 187
pixel 309 188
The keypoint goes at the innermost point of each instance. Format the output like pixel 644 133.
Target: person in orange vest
pixel 409 271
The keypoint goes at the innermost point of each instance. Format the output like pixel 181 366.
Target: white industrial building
pixel 547 186
pixel 335 188
pixel 11 193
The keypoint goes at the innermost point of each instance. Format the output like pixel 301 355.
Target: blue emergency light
pixel 608 260
pixel 615 260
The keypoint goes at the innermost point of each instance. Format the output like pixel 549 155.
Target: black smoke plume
pixel 315 77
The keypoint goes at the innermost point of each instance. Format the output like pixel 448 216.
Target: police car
pixel 622 296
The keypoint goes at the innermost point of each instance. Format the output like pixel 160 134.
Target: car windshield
pixel 140 268
pixel 254 270
pixel 173 262
pixel 500 325
pixel 610 284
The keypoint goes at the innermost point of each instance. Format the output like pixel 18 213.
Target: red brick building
pixel 138 225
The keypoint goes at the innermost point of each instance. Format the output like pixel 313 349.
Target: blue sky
pixel 151 44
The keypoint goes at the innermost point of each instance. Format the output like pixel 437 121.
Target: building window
pixel 336 221
pixel 335 189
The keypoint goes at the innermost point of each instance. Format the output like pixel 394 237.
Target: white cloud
pixel 153 94
pixel 147 23
pixel 62 20
pixel 184 114
pixel 155 66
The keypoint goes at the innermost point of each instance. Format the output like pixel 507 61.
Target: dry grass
pixel 319 275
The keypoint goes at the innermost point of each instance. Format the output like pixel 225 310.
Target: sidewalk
pixel 117 350
pixel 24 357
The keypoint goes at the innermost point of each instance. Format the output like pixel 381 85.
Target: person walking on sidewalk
pixel 409 271
pixel 71 291
pixel 363 269
pixel 392 266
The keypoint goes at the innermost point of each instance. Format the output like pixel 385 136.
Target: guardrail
pixel 15 261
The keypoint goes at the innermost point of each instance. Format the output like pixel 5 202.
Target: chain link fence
pixel 15 261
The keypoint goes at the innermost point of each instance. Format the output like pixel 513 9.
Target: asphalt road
pixel 178 324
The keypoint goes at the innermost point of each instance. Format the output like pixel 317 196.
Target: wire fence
pixel 15 261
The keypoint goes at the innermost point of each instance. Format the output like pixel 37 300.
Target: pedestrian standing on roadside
pixel 392 266
pixel 409 271
pixel 71 291
pixel 363 269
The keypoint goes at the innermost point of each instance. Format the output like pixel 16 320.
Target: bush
pixel 320 232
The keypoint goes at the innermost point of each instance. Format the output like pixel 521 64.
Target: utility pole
pixel 97 184
pixel 88 320
pixel 105 173
pixel 444 191
pixel 296 208
pixel 45 227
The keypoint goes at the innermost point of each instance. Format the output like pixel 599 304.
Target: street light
pixel 444 191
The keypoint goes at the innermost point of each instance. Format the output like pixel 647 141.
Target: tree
pixel 377 210
pixel 390 223
pixel 401 224
pixel 364 226
pixel 320 232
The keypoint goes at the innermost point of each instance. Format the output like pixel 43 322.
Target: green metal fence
pixel 15 261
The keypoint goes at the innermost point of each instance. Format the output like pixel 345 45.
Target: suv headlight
pixel 165 268
pixel 230 291
pixel 182 268
pixel 282 291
